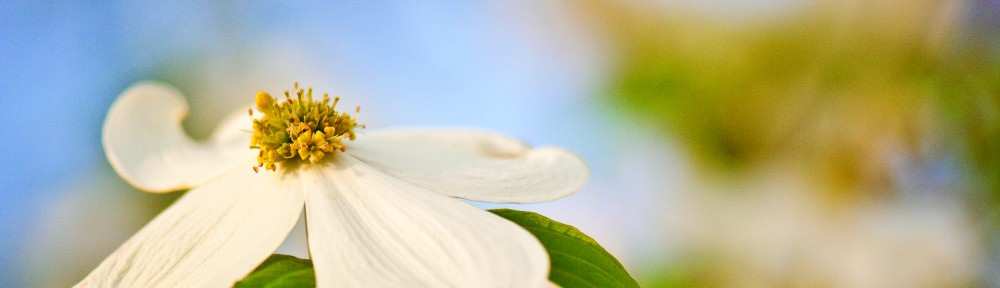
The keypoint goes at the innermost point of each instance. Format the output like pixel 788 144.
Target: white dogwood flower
pixel 379 209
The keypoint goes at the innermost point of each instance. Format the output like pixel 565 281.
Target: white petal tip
pixel 144 142
pixel 475 165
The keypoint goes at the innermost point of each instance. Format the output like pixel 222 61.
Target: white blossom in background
pixel 379 212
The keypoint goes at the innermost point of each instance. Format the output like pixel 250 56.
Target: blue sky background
pixel 525 70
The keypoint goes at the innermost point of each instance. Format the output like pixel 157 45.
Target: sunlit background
pixel 752 144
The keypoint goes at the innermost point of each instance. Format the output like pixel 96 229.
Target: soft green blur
pixel 865 102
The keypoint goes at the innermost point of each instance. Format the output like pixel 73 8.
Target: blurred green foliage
pixel 841 89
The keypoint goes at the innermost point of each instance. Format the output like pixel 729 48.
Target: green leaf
pixel 577 260
pixel 281 271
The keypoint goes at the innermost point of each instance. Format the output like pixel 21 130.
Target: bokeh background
pixel 753 144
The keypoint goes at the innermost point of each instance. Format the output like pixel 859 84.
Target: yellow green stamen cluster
pixel 298 128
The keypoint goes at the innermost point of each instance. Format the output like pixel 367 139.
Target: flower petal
pixel 213 236
pixel 233 132
pixel 368 229
pixel 146 145
pixel 474 165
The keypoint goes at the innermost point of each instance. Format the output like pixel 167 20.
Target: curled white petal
pixel 474 165
pixel 213 236
pixel 368 229
pixel 146 145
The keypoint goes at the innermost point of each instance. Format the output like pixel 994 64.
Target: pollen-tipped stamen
pixel 299 128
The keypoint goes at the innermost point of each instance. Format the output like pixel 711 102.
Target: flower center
pixel 299 128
